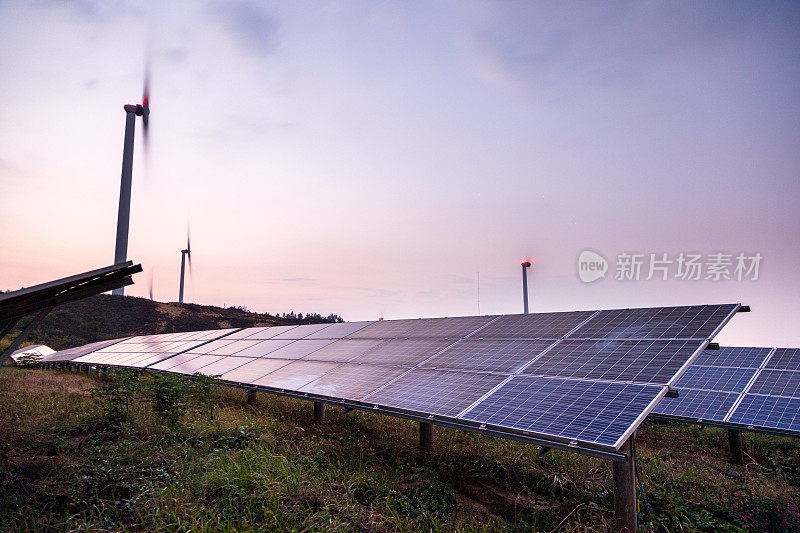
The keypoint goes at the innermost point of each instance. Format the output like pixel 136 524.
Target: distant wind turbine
pixel 185 255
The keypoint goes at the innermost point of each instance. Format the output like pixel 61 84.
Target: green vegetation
pixel 191 455
pixel 106 317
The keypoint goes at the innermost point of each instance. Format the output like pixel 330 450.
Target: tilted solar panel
pixel 785 359
pixel 768 412
pixel 777 383
pixel 404 352
pixel 650 361
pixel 73 353
pixel 762 395
pixel 344 350
pixel 249 372
pixel 488 355
pixel 590 411
pixel 534 326
pixel 438 392
pixel 353 381
pixel 734 356
pixel 690 322
pixel 698 404
pixel 387 329
pixel 295 375
pixel 590 376
pixel 301 332
pixel 716 378
pixel 300 349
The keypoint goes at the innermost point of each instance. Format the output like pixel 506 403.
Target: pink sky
pixel 370 159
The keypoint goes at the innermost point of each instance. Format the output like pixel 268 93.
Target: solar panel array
pixel 740 387
pixel 584 378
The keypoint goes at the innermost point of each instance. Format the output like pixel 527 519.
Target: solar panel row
pixel 577 376
pixel 754 387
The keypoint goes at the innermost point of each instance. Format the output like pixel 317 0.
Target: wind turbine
pixel 185 254
pixel 124 214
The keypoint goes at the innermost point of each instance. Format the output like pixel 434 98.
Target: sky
pixel 400 159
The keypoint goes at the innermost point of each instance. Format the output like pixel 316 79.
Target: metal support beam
pixel 251 397
pixel 735 443
pixel 426 436
pixel 24 334
pixel 319 412
pixel 625 513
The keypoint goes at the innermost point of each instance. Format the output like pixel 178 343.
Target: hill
pixel 106 316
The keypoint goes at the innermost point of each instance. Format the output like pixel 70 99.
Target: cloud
pixel 561 52
pixel 298 280
pixel 252 29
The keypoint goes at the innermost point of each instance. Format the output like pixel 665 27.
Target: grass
pixel 65 466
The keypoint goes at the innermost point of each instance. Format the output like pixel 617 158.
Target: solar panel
pixel 247 332
pixel 262 333
pixel 256 368
pixel 734 356
pixel 762 403
pixel 226 364
pixel 300 332
pixel 651 361
pixel 768 412
pixel 589 411
pixel 785 359
pixel 698 404
pixel 715 378
pixel 78 351
pixel 296 374
pixel 488 355
pixel 353 382
pixel 229 347
pixel 344 350
pixel 194 365
pixel 299 349
pixel 405 352
pixel 452 328
pixel 387 329
pixel 532 375
pixel 534 326
pixel 172 362
pixel 777 383
pixel 438 392
pixel 695 322
pixel 338 331
pixel 263 348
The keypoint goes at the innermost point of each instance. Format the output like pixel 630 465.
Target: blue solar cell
pixel 435 391
pixel 777 383
pixel 768 412
pixel 488 355
pixel 533 326
pixel 698 404
pixel 588 411
pixel 735 356
pixel 715 378
pixel 785 359
pixel 695 322
pixel 650 361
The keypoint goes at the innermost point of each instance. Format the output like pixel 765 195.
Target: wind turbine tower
pixel 124 214
pixel 185 254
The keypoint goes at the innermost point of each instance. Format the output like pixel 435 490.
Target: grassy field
pixel 65 465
